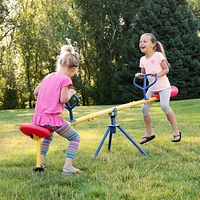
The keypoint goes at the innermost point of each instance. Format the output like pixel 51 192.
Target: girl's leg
pixel 68 132
pixel 147 120
pixel 45 147
pixel 164 102
pixel 171 118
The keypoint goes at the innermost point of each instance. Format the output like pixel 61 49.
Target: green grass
pixel 169 172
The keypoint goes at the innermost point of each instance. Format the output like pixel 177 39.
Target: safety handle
pixel 145 86
pixel 70 107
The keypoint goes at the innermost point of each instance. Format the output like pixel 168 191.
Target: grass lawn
pixel 169 172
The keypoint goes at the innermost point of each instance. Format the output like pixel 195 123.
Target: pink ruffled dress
pixel 48 107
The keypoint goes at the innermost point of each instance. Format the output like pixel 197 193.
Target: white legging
pixel 164 101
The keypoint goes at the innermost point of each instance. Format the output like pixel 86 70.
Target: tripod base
pixel 112 130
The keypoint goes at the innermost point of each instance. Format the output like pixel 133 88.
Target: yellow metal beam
pixel 110 110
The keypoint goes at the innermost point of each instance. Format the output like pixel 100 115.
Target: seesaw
pixel 113 113
pixel 36 132
pixel 174 92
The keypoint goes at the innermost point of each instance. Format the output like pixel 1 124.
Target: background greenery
pixel 169 172
pixel 106 34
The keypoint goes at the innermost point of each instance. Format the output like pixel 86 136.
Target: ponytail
pixel 159 47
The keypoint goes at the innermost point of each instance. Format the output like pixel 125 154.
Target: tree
pixel 8 94
pixel 195 5
pixel 174 24
pixel 106 26
pixel 106 35
pixel 38 36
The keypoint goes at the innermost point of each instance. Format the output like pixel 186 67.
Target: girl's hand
pixel 72 92
pixel 138 75
pixel 36 91
pixel 153 73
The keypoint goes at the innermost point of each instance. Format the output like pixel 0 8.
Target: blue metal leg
pixel 128 136
pixel 110 140
pixel 102 141
pixel 112 129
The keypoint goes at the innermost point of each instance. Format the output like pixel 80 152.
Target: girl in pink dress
pixel 52 94
pixel 154 62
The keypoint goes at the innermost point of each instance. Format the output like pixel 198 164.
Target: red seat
pixel 174 92
pixel 29 129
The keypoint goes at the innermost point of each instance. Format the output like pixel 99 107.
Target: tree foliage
pixel 106 35
pixel 195 5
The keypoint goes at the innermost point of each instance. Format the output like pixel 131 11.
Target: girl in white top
pixel 154 62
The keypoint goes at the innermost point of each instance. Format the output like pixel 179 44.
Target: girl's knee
pixel 166 108
pixel 77 138
pixel 74 136
pixel 145 110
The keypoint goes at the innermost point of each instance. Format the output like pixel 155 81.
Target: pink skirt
pixel 44 119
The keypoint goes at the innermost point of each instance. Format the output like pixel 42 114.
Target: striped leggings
pixel 69 133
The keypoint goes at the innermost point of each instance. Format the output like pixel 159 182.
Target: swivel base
pixel 112 130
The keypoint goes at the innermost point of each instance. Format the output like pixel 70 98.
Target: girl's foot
pixel 176 137
pixel 147 139
pixel 72 170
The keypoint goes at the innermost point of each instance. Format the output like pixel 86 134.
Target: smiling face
pixel 146 45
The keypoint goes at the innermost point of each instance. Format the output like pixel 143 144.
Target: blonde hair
pixel 67 58
pixel 158 45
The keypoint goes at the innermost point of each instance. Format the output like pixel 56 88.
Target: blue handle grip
pixel 145 86
pixel 70 107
